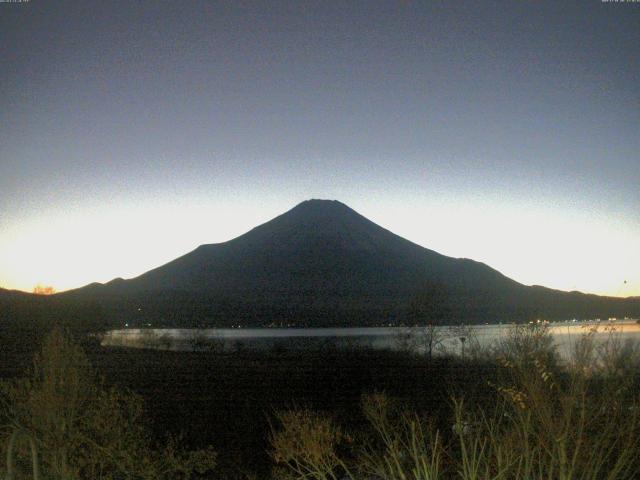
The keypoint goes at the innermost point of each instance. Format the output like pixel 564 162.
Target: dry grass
pixel 550 421
pixel 73 427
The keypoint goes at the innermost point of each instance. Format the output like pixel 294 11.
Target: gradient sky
pixel 507 132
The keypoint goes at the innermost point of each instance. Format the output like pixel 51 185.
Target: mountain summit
pixel 318 248
pixel 322 263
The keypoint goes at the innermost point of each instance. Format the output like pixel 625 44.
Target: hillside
pixel 321 263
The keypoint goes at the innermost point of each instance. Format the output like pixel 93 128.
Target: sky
pixel 506 132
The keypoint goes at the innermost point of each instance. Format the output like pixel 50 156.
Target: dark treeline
pixel 25 319
pixel 200 309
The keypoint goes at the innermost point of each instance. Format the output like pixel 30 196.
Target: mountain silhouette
pixel 320 264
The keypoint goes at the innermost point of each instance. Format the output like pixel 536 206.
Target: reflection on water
pixel 453 340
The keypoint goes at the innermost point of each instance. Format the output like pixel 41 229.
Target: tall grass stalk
pixel 407 449
pixel 549 421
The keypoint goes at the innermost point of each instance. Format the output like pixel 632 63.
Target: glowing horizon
pixel 99 246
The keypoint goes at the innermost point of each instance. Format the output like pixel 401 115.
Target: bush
pixel 549 421
pixel 306 445
pixel 77 428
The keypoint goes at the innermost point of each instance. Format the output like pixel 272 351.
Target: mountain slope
pixel 321 263
pixel 318 245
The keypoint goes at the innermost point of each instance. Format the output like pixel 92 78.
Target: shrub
pixel 305 444
pixel 549 421
pixel 79 428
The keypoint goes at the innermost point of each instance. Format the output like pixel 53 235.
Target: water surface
pixel 451 339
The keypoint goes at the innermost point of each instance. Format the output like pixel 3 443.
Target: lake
pixel 565 335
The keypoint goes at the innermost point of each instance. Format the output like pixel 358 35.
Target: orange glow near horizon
pixel 44 290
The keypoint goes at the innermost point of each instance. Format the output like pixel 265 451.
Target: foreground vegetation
pixel 510 413
pixel 61 422
pixel 577 422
